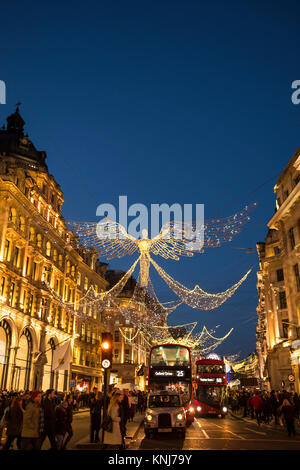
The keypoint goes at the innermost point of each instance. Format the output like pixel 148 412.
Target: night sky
pixel 163 101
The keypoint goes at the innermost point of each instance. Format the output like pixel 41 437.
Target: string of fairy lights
pixel 142 310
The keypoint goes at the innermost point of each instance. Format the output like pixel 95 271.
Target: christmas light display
pixel 172 242
pixel 197 297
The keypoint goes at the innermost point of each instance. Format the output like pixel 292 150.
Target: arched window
pixel 55 255
pixel 39 240
pixel 23 362
pixel 48 248
pixel 5 344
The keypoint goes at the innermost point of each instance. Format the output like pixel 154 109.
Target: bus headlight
pixel 191 409
pixel 180 417
pixel 224 409
pixel 199 408
pixel 149 417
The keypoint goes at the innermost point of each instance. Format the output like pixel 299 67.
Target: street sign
pixel 291 378
pixel 106 363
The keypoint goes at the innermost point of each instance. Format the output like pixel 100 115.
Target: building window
pixel 12 216
pixel 285 328
pixel 297 277
pixel 68 267
pixel 78 278
pixel 48 248
pixel 22 224
pixel 117 336
pixel 86 283
pixel 116 355
pixel 16 260
pixel 292 238
pixel 60 260
pixel 7 250
pixel 12 294
pixel 39 240
pixel 280 275
pixel 282 300
pixel 31 234
pixel 277 251
pixel 2 287
pixel 35 271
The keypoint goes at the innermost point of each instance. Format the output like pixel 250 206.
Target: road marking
pixel 227 430
pixel 257 432
pixel 204 432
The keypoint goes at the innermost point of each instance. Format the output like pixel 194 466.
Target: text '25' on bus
pixel 170 369
pixel 210 387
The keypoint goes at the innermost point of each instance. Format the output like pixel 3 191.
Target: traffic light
pixel 106 350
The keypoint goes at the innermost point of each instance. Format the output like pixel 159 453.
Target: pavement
pixel 132 428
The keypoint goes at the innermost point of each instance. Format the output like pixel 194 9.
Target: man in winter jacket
pixel 49 419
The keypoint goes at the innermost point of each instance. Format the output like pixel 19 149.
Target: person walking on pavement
pixel 31 430
pixel 69 399
pixel 50 419
pixel 96 406
pixel 289 415
pixel 256 402
pixel 14 422
pixel 61 425
pixel 114 438
pixel 126 405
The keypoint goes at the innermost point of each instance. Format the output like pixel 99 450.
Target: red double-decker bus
pixel 170 369
pixel 210 388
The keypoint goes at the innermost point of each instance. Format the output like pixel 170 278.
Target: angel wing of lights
pixel 175 239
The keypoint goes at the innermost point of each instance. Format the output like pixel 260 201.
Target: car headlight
pixel 180 416
pixel 199 408
pixel 224 409
pixel 149 417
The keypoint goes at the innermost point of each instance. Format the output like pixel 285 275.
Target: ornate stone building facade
pixel 40 270
pixel 278 284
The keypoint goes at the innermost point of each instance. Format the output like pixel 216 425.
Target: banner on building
pixel 62 357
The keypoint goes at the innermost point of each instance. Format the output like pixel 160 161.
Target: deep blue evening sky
pixel 163 101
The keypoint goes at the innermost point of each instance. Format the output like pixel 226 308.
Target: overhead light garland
pixel 172 242
pixel 197 297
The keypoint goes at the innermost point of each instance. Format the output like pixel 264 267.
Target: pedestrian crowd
pixel 30 417
pixel 282 407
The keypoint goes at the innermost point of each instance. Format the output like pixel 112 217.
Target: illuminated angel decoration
pixel 176 239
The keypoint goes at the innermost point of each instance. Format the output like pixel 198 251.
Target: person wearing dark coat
pixel 49 419
pixel 61 425
pixel 126 409
pixel 96 405
pixel 69 399
pixel 289 415
pixel 14 422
